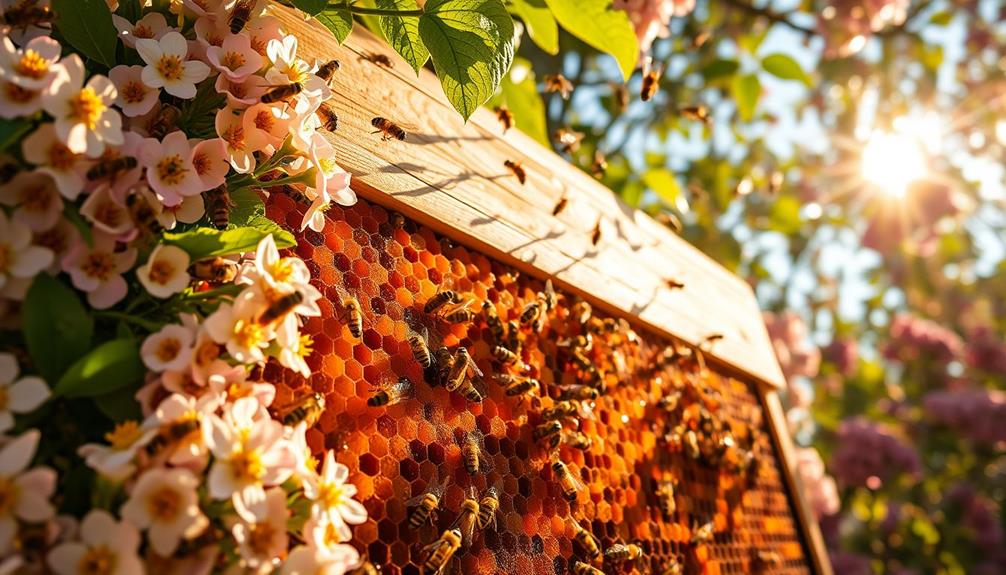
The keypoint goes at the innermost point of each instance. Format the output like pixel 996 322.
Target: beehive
pixel 393 266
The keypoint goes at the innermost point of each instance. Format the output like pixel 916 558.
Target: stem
pixel 375 11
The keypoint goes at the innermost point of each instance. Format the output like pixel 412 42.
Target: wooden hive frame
pixel 450 176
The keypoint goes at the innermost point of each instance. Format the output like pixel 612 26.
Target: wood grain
pixel 450 175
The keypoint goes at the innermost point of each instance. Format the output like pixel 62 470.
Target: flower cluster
pixel 650 17
pixel 985 351
pixel 797 354
pixel 818 487
pixel 206 477
pixel 848 24
pixel 913 337
pixel 843 353
pixel 976 414
pixel 868 454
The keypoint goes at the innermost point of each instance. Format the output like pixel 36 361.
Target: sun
pixel 893 160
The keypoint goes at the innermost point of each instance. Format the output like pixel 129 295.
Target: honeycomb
pixel 394 453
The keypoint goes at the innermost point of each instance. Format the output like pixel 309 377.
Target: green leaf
pixel 402 32
pixel 12 131
pixel 57 327
pixel 339 22
pixel 310 7
pixel 248 206
pixel 746 90
pixel 119 405
pixel 87 26
pixel 664 183
pixel 540 23
pixel 719 69
pixel 785 67
pixel 111 366
pixel 472 44
pixel 519 92
pixel 207 242
pixel 942 18
pixel 602 27
pixel 785 215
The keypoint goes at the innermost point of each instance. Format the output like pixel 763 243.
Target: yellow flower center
pixel 248 334
pixel 264 120
pixel 17 94
pixel 60 157
pixel 8 496
pixel 306 345
pixel 332 536
pixel 99 265
pixel 206 353
pixel 133 92
pixel 327 165
pixel 171 170
pixel 98 560
pixel 124 435
pixel 246 465
pixel 282 270
pixel 258 43
pixel 236 391
pixel 143 31
pixel 235 137
pixel 329 495
pixel 109 213
pixel 168 349
pixel 232 60
pixel 86 108
pixel 164 504
pixel 161 272
pixel 170 67
pixel 5 258
pixel 32 65
pixel 201 163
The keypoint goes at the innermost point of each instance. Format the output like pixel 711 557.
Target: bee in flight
pixel 426 505
pixel 651 81
pixel 240 15
pixel 622 552
pixel 388 129
pixel 328 69
pixel 329 119
pixel 517 169
pixel 468 518
pixel 558 83
pixel 584 540
pixel 599 167
pixel 471 451
pixel 560 205
pixel 218 270
pixel 697 113
pixel 488 506
pixel 505 116
pixel 280 306
pixel 389 394
pixel 282 93
pixel 111 167
pixel 568 140
pixel 439 553
pixel 307 409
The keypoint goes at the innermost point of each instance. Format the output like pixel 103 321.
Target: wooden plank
pixel 450 175
pixel 784 446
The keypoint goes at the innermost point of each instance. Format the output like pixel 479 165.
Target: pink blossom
pixel 844 354
pixel 107 212
pixel 797 355
pixel 33 67
pixel 209 160
pixel 650 17
pixel 44 149
pixel 134 97
pixel 985 350
pixel 868 454
pixel 170 172
pixel 976 414
pixel 262 30
pixel 190 211
pixel 84 118
pixel 244 93
pixel 914 337
pixel 167 67
pixel 58 239
pixel 818 487
pixel 35 199
pixel 241 144
pixel 287 68
pixel 97 269
pixel 268 121
pixel 235 58
pixel 19 258
pixel 153 26
pixel 211 32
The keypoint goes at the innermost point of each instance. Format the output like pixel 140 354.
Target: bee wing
pixel 475 368
pixel 585 409
pixel 466 524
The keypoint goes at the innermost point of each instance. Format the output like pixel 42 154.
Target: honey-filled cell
pixel 661 453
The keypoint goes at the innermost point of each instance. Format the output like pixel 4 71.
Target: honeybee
pixel 280 306
pixel 329 119
pixel 547 429
pixel 691 444
pixel 307 409
pixel 595 234
pixel 513 342
pixel 622 552
pixel 282 93
pixel 619 96
pixel 702 533
pixel 671 221
pixel 388 129
pixel 379 59
pixel 328 69
pixel 471 451
pixel 487 507
pixel 581 312
pixel 517 169
pixel 700 39
pixel 560 205
pixel 578 393
pixel 111 168
pixel 697 113
pixel 710 339
pixel 171 434
pixel 568 140
pixel 672 567
pixel 651 83
pixel 470 391
pixel 296 194
pixel 548 297
pixel 665 498
pixel 532 314
pixel 599 167
pixel 218 206
pixel 523 387
pixel 143 213
pixel 462 364
pixel 493 321
pixel 216 270
pixel 505 116
pixel 459 314
pixel 674 284
pixel 27 13
pixel 391 393
pixel 442 298
pixel 419 343
pixel 352 313
pixel 583 342
pixel 764 560
pixel 504 355
pixel 164 122
pixel 240 15
pixel 468 518
pixel 561 410
pixel 365 568
pixel 426 505
pixel 439 553
pixel 581 568
pixel 558 83
pixel 568 482
pixel 670 401
pixel 577 440
pixel 443 361
pixel 584 540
